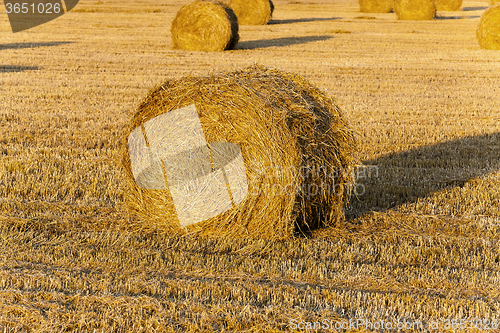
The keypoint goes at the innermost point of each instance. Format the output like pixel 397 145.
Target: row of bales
pixel 419 9
pixel 410 9
pixel 254 152
pixel 488 31
pixel 214 25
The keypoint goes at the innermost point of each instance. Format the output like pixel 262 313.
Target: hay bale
pixel 415 9
pixel 448 5
pixel 279 146
pixel 494 2
pixel 488 31
pixel 252 12
pixel 205 26
pixel 376 6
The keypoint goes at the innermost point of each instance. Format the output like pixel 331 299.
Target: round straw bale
pixel 252 12
pixel 448 5
pixel 205 26
pixel 279 146
pixel 376 6
pixel 415 9
pixel 488 31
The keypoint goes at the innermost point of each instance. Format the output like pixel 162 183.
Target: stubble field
pixel 421 241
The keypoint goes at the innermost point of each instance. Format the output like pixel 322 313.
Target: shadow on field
pixel 401 178
pixel 457 17
pixel 30 45
pixel 14 69
pixel 303 20
pixel 471 9
pixel 279 42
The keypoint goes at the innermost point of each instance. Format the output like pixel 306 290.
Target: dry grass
pixel 422 242
pixel 205 26
pixel 488 30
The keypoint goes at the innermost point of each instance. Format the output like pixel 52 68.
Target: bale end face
pixel 252 12
pixel 488 31
pixel 415 9
pixel 376 6
pixel 448 5
pixel 205 26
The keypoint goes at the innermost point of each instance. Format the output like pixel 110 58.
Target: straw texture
pixel 297 152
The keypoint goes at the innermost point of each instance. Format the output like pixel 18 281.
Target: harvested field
pixel 421 241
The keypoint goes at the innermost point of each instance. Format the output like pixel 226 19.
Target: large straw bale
pixel 376 6
pixel 252 12
pixel 205 26
pixel 289 164
pixel 415 9
pixel 448 5
pixel 488 31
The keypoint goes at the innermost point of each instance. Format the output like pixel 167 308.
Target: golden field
pixel 421 241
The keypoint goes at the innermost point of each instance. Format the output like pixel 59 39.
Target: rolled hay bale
pixel 415 9
pixel 205 26
pixel 448 5
pixel 376 6
pixel 252 12
pixel 488 31
pixel 256 152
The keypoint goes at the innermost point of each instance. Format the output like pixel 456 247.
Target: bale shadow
pixel 15 69
pixel 457 17
pixel 279 42
pixel 471 9
pixel 303 20
pixel 396 179
pixel 30 45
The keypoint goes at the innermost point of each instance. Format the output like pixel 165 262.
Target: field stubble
pixel 421 243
